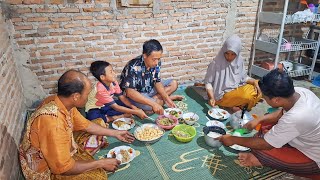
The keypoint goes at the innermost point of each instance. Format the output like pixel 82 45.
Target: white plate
pixel 129 124
pixel 218 113
pixel 239 148
pixel 116 151
pixel 168 110
pixel 216 123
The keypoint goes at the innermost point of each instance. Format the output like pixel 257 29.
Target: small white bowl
pixel 187 118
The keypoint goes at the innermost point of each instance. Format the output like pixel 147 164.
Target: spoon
pixel 244 110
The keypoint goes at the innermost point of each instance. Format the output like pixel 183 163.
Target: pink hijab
pixel 223 75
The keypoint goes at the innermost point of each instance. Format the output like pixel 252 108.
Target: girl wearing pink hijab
pixel 227 83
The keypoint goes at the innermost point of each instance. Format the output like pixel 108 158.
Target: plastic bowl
pixel 175 122
pixel 209 140
pixel 186 117
pixel 186 129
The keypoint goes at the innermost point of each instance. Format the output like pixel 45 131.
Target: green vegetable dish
pixel 166 122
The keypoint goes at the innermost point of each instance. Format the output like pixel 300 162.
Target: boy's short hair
pixel 97 68
pixel 277 83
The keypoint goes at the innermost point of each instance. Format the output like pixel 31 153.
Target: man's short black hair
pixel 70 83
pixel 277 83
pixel 150 46
pixel 97 68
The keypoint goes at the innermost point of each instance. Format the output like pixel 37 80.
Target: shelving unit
pixel 274 43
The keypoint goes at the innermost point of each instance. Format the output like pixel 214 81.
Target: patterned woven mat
pixel 170 159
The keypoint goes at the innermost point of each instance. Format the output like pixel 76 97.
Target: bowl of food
pixel 212 132
pixel 148 133
pixel 167 122
pixel 190 118
pixel 184 133
pixel 176 112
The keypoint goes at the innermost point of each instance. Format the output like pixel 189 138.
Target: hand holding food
pixel 157 109
pixel 110 164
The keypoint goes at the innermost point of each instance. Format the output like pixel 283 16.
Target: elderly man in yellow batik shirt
pixel 49 149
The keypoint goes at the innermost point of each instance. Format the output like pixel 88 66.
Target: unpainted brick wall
pixel 61 35
pixel 11 107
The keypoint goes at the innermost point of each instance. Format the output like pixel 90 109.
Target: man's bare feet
pixel 176 97
pixel 248 160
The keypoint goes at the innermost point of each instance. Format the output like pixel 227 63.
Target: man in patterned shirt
pixel 140 80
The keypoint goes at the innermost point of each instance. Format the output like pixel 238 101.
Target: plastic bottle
pixel 312 8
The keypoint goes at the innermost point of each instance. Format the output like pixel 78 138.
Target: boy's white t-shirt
pixel 300 126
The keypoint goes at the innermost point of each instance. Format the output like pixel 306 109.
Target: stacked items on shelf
pixel 274 41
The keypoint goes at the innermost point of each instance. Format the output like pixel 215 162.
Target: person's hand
pixel 212 102
pixel 124 136
pixel 170 103
pixel 226 140
pixel 134 107
pixel 157 108
pixel 251 124
pixel 110 164
pixel 258 90
pixel 141 114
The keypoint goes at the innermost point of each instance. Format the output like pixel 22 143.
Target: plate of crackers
pixel 125 154
pixel 148 132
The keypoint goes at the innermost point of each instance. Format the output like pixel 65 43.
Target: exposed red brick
pixel 26 42
pixel 72 25
pixel 60 19
pixel 69 10
pixel 14 1
pixel 71 39
pixel 46 10
pixel 27 27
pixel 37 19
pixel 47 40
pixel 33 1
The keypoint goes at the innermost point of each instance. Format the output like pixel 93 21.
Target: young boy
pixel 101 102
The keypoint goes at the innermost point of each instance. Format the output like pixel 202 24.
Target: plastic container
pixel 210 141
pixel 186 129
pixel 312 7
pixel 316 81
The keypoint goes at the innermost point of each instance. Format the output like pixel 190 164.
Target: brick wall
pixel 60 35
pixel 11 106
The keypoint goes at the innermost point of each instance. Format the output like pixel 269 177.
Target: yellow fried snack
pixel 149 133
pixel 125 155
pixel 120 123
